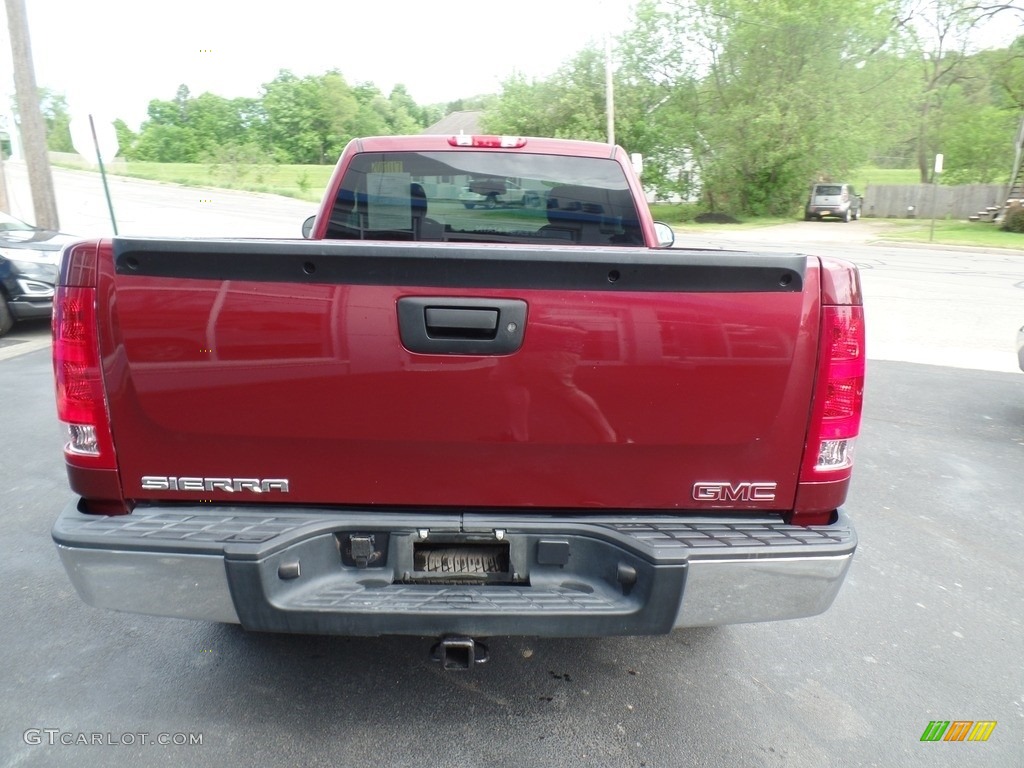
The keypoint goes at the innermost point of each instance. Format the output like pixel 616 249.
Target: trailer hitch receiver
pixel 459 653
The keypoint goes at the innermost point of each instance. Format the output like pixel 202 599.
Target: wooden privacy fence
pixel 892 201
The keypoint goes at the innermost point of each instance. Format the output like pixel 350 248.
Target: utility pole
pixel 609 87
pixel 5 204
pixel 33 129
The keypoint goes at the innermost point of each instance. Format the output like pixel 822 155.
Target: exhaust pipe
pixel 459 653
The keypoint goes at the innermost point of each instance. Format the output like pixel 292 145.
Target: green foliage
pixel 190 130
pixel 54 107
pixel 748 103
pixel 307 118
pixel 306 182
pixel 1013 220
pixel 951 232
pixel 675 213
pixel 869 174
pixel 975 140
pixel 296 120
pixel 474 103
pixel 126 137
pixel 767 95
pixel 231 164
pixel 952 83
pixel 165 144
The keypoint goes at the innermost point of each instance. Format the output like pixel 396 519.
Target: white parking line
pixel 23 347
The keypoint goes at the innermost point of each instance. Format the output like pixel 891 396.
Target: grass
pixel 953 232
pixel 746 223
pixel 870 175
pixel 682 215
pixel 306 182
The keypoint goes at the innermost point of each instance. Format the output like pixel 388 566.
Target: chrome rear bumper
pixel 285 570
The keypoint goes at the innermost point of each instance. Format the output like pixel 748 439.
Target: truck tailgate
pixel 480 378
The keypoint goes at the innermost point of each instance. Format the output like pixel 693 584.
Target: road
pixel 149 209
pixel 950 306
pixel 927 627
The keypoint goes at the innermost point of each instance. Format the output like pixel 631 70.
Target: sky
pixel 111 57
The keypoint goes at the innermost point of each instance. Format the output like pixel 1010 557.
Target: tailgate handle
pixel 447 325
pixel 461 323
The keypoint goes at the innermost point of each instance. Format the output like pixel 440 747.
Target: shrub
pixel 715 218
pixel 675 213
pixel 1013 221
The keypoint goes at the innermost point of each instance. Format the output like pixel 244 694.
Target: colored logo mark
pixel 958 730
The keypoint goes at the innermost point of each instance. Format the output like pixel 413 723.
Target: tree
pixel 397 114
pixel 214 122
pixel 160 143
pixel 569 104
pixel 942 40
pixel 523 109
pixel 406 116
pixel 310 119
pixel 54 107
pixel 372 116
pixel 764 98
pixel 126 138
pixel 976 140
pixel 190 130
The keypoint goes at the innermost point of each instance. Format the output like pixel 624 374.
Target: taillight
pixel 81 404
pixel 842 396
pixel 835 414
pixel 492 142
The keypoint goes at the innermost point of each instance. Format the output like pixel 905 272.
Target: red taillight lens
pixel 76 367
pixel 839 396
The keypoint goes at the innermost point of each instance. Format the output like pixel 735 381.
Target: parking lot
pixel 927 627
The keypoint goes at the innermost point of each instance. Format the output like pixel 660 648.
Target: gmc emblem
pixel 734 491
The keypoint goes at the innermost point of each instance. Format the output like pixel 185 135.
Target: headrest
pixel 418 199
pixel 576 203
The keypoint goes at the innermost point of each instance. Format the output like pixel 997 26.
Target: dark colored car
pixel 29 258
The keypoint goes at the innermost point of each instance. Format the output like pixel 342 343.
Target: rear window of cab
pixel 485 197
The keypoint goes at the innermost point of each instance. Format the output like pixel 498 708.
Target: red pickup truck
pixel 432 420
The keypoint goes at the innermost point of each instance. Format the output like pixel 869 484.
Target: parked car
pixel 494 193
pixel 1020 348
pixel 29 258
pixel 833 200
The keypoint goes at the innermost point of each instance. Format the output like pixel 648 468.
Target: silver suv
pixel 835 200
